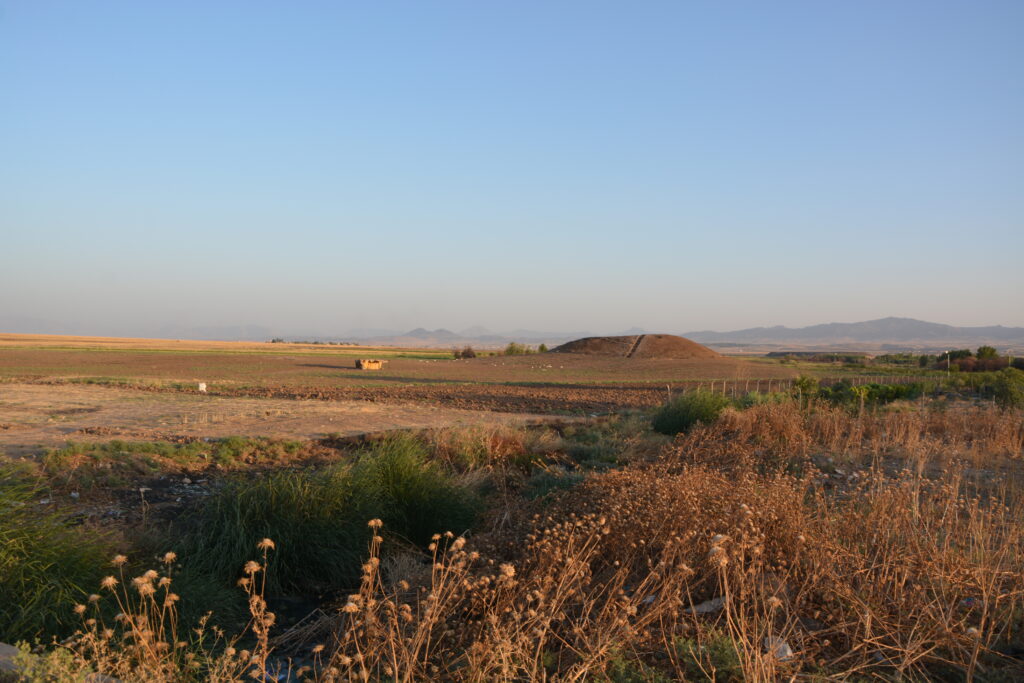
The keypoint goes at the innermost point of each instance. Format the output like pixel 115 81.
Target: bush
pixel 687 410
pixel 845 393
pixel 805 387
pixel 517 349
pixel 1008 389
pixel 761 398
pixel 46 565
pixel 467 352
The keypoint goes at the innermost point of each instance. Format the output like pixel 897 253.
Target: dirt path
pixel 635 346
pixel 35 417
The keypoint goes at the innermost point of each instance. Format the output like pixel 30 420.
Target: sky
pixel 322 167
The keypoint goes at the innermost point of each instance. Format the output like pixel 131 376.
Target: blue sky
pixel 321 167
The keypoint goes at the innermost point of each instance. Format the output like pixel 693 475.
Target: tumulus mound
pixel 639 346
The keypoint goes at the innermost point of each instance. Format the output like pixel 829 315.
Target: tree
pixel 543 348
pixel 986 352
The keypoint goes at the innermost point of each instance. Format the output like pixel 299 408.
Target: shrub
pixel 543 348
pixel 761 398
pixel 687 410
pixel 1008 389
pixel 46 565
pixel 517 349
pixel 845 393
pixel 467 352
pixel 805 387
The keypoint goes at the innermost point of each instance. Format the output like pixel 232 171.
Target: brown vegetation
pixel 776 542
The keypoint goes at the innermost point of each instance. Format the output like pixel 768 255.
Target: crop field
pixel 548 516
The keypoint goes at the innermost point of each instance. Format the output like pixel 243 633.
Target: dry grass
pixel 732 556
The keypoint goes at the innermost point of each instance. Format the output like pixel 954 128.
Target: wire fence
pixel 742 387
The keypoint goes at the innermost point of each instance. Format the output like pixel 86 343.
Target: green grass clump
pixel 545 482
pixel 396 482
pixel 713 658
pixel 114 463
pixel 317 519
pixel 687 410
pixel 46 565
pixel 307 514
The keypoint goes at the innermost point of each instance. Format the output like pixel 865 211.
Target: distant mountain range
pixel 885 334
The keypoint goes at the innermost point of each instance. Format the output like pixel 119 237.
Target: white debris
pixel 202 387
pixel 707 607
pixel 778 647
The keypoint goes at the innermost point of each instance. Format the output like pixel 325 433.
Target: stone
pixel 707 607
pixel 7 655
pixel 778 647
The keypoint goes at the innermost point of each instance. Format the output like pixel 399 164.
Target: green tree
pixel 542 348
pixel 985 352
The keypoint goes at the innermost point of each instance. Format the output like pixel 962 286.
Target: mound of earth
pixel 639 346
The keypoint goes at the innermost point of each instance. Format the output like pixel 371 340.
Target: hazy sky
pixel 323 166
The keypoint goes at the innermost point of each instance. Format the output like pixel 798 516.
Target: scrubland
pixel 774 537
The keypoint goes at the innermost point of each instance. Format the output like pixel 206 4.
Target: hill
pixel 666 346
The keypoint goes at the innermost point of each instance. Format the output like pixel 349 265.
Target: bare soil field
pixel 195 345
pixel 35 417
pixel 556 383
pixel 54 389
pixel 329 369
